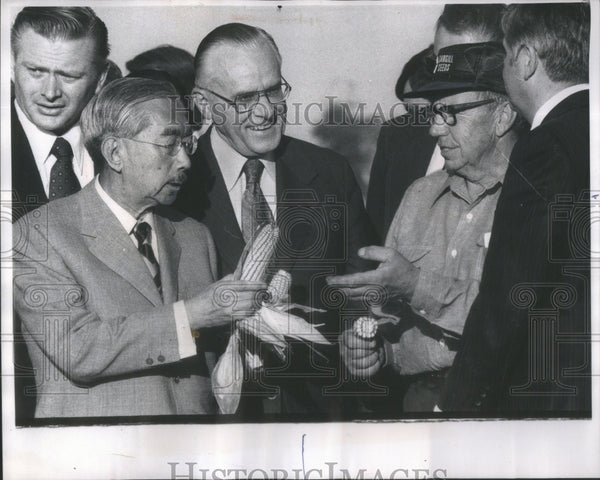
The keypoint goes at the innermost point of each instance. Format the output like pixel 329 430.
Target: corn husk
pixel 227 376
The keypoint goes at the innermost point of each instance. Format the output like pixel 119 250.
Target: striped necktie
pixel 255 209
pixel 143 234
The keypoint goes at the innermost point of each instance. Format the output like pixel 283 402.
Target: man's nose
pixel 438 128
pixel 264 109
pixel 51 88
pixel 183 160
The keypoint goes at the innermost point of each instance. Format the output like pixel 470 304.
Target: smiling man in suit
pixel 110 283
pixel 245 166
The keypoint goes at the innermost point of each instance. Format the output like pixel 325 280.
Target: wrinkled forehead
pixel 161 115
pixel 60 38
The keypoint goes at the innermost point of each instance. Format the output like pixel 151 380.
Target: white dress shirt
pixel 231 164
pixel 545 109
pixel 185 340
pixel 41 143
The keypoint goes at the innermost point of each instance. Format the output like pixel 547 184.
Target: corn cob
pixel 260 253
pixel 365 328
pixel 279 286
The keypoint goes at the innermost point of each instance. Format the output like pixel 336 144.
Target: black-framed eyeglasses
pixel 189 144
pixel 245 102
pixel 442 113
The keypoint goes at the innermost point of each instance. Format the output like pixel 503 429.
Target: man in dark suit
pixel 59 62
pixel 526 347
pixel 245 165
pixel 405 150
pixel 111 284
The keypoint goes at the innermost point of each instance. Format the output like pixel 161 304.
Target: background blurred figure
pixel 171 64
pixel 114 72
pixel 405 151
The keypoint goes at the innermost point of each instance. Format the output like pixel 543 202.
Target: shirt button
pixel 160 358
pixel 176 379
pixel 454 253
pixel 469 217
pixel 422 312
pixel 149 361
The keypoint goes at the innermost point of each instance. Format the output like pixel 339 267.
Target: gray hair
pixel 113 111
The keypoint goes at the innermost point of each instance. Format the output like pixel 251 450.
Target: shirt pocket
pixel 414 253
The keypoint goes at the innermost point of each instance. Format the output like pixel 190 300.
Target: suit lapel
pixel 220 217
pixel 169 253
pixel 25 175
pixel 107 240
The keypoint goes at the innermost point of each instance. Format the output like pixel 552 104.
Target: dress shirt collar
pixel 41 143
pixel 125 218
pixel 231 162
pixel 547 107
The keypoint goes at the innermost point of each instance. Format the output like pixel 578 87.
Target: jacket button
pixel 478 403
pixel 176 379
pixel 161 358
pixel 483 395
pixel 149 361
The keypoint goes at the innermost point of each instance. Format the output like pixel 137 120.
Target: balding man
pixel 246 165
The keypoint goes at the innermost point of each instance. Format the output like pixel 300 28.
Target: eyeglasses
pixel 442 113
pixel 245 102
pixel 189 143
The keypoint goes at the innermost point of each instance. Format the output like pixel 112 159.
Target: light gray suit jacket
pixel 101 340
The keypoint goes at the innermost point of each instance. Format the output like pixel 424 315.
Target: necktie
pixel 63 181
pixel 143 234
pixel 255 209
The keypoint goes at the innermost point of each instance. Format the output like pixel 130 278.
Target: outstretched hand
pixel 394 273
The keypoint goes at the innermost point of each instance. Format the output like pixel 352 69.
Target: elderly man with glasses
pixel 432 263
pixel 246 172
pixel 111 285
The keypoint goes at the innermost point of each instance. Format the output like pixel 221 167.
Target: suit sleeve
pixel 85 347
pixel 360 229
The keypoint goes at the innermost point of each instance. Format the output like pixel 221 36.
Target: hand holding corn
pixel 361 351
pixel 223 302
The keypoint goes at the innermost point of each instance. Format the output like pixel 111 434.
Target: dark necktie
pixel 143 234
pixel 63 181
pixel 255 209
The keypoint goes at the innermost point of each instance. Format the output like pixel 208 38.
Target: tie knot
pixel 141 231
pixel 62 148
pixel 253 170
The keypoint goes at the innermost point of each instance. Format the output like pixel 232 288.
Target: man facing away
pixel 110 283
pixel 526 347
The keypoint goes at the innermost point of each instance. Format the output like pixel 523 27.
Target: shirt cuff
pixel 185 340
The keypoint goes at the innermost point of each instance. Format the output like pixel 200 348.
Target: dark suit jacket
pixel 533 304
pixel 28 190
pixel 322 225
pixel 404 150
pixel 319 211
pixel 101 339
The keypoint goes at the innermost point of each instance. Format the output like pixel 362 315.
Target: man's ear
pixel 113 151
pixel 102 78
pixel 506 118
pixel 527 61
pixel 201 103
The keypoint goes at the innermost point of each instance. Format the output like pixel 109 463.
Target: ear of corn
pixel 260 253
pixel 227 377
pixel 365 328
pixel 279 286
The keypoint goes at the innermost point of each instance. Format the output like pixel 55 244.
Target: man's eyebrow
pixel 252 92
pixel 59 72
